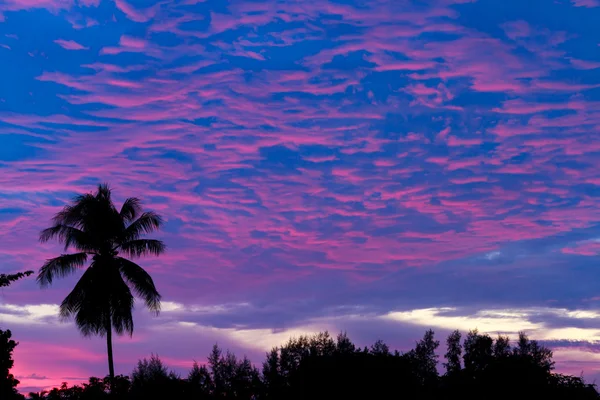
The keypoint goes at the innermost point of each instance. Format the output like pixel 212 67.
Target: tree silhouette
pixel 200 382
pixel 152 379
pixel 102 300
pixel 8 383
pixel 344 345
pixel 478 350
pixel 502 347
pixel 272 376
pixel 453 353
pixel 424 359
pixel 319 367
pixel 232 377
pixel 94 389
pixel 6 280
pixel 380 348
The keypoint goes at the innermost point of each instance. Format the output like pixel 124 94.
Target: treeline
pixel 323 367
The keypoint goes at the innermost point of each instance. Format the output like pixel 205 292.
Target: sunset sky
pixel 375 166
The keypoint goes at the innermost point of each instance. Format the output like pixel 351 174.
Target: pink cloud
pixel 456 141
pixel 519 106
pixel 406 66
pixel 589 249
pixel 517 29
pixel 129 41
pixel 586 3
pixel 583 64
pixel 70 45
pixel 52 5
pixel 133 13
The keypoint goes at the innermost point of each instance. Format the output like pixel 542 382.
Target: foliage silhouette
pixel 321 367
pixel 151 378
pixel 8 383
pixel 7 279
pixel 102 299
pixel 95 389
pixel 453 353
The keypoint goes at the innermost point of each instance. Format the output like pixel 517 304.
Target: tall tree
pixel 215 362
pixel 200 382
pixel 539 355
pixel 478 352
pixel 272 377
pixel 502 347
pixel 425 359
pixel 453 353
pixel 102 299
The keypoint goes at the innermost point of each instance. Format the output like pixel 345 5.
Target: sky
pixel 375 166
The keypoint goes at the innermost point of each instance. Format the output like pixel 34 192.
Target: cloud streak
pixel 69 45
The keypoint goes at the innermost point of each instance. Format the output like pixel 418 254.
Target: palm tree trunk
pixel 111 367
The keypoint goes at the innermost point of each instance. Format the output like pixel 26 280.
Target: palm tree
pixel 102 299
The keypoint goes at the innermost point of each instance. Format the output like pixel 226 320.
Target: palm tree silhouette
pixel 102 300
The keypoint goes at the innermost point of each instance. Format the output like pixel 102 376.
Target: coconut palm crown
pixel 105 240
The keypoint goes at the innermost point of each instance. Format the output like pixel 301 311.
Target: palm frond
pixel 100 299
pixel 104 197
pixel 141 282
pixel 148 222
pixel 81 293
pixel 121 305
pixel 103 192
pixel 91 213
pixel 69 236
pixel 87 309
pixel 59 267
pixel 73 214
pixel 131 208
pixel 142 247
